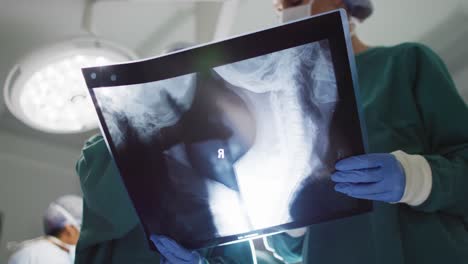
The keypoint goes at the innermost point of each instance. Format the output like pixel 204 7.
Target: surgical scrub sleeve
pixel 111 232
pixel 410 103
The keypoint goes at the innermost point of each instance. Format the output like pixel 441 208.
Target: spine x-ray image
pixel 237 148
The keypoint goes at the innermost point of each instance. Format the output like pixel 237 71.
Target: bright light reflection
pixel 47 97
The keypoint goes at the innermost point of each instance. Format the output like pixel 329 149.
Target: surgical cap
pixel 66 210
pixel 360 9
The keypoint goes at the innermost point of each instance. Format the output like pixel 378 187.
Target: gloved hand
pixel 173 253
pixel 378 177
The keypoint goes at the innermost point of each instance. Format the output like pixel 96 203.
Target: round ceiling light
pixel 47 91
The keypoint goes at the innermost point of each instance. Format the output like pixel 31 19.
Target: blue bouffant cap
pixel 360 9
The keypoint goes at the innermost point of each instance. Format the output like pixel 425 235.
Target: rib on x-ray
pixel 272 117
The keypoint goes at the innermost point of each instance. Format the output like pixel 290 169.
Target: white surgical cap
pixel 360 9
pixel 66 210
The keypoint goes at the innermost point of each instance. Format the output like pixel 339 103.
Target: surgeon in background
pixel 417 172
pixel 62 223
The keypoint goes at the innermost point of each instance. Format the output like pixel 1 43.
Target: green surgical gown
pixel 111 232
pixel 410 103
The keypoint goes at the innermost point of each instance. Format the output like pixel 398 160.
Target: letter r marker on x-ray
pixel 220 153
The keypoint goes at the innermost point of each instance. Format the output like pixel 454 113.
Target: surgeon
pixel 62 222
pixel 416 172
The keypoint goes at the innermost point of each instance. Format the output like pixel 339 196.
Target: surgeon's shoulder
pixel 39 251
pixel 410 57
pixel 413 53
pixel 94 143
pixel 94 151
pixel 407 48
pixel 23 255
pixel 96 139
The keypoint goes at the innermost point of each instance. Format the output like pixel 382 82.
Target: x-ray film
pixel 235 139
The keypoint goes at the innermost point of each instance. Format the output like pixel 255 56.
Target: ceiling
pixel 148 26
pixel 145 27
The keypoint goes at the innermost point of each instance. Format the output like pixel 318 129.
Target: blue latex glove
pixel 378 177
pixel 173 253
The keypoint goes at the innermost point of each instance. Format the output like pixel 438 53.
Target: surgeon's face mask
pixel 352 26
pixel 304 11
pixel 70 248
pixel 72 253
pixel 295 13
